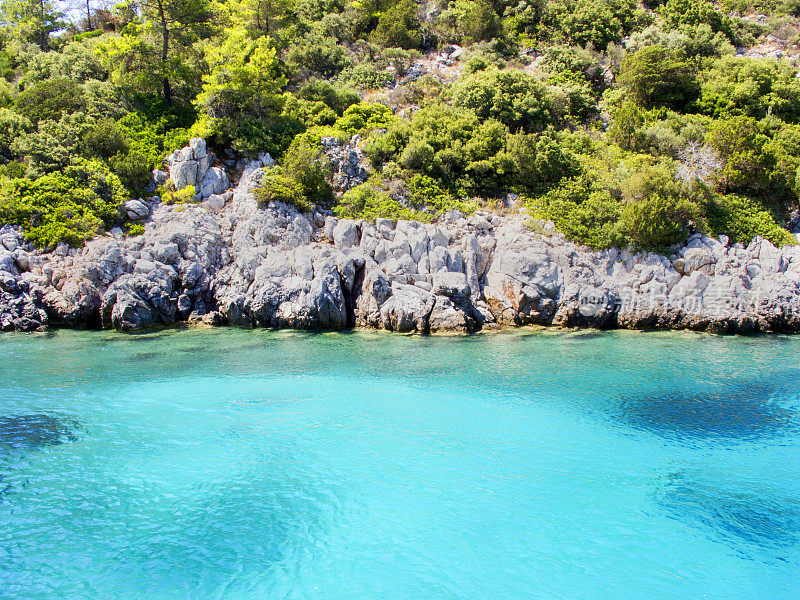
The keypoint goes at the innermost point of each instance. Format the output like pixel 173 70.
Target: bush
pixel 105 139
pixel 133 170
pixel 337 99
pixel 626 128
pixel 749 165
pixel 169 195
pixel 54 143
pixel 306 164
pixel 741 219
pixel 71 206
pixel 657 76
pixel 745 86
pixel 318 55
pixel 398 27
pixel 366 202
pixel 277 187
pixel 632 200
pixel 12 126
pixel 363 117
pixel 582 212
pixel 134 229
pixel 584 22
pixel 515 99
pixel 50 99
pixel 469 21
pixel 658 208
pixel 365 76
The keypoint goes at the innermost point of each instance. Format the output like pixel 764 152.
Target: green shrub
pixel 657 76
pixel 54 143
pixel 318 55
pixel 657 221
pixel 50 99
pixel 71 206
pixel 134 229
pixel 365 76
pixel 368 203
pixel 337 98
pixel 469 21
pixel 169 195
pixel 306 164
pixel 105 139
pixel 12 125
pixel 582 212
pixel 364 117
pixel 741 219
pixel 13 170
pixel 626 128
pixel 515 99
pixel 750 165
pixel 277 187
pixel 133 170
pixel 735 86
pixel 398 27
pixel 584 22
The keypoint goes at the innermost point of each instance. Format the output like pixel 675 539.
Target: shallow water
pixel 239 464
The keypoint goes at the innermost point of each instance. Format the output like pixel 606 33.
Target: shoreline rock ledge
pixel 231 262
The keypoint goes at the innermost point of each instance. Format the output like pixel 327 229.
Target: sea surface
pixel 251 464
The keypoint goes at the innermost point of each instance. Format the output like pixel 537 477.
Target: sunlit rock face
pixel 234 261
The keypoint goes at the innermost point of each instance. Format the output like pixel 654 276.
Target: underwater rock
pixel 765 520
pixel 738 412
pixel 36 430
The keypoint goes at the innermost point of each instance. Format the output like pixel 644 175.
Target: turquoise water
pixel 252 464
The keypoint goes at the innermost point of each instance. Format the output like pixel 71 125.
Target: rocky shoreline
pixel 227 261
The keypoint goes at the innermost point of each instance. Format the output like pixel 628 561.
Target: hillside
pixel 624 125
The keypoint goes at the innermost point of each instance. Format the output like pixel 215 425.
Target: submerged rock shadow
pixel 736 412
pixel 764 520
pixel 36 430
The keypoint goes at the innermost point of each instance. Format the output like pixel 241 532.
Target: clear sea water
pixel 238 464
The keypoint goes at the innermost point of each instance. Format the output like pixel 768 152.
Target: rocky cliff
pixel 227 261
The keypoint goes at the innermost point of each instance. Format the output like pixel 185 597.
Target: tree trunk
pixel 88 17
pixel 164 51
pixel 42 32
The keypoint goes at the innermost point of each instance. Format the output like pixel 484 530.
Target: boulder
pixel 452 285
pixel 136 210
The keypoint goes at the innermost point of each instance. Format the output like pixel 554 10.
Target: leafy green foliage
pixel 741 219
pixel 50 99
pixel 470 21
pixel 70 206
pixel 12 126
pixel 584 22
pixel 755 88
pixel 619 146
pixel 277 187
pixel 242 95
pixel 657 76
pixel 398 27
pixel 363 117
pixel 368 203
pixel 306 164
pixel 518 101
pixel 169 195
pixel 105 139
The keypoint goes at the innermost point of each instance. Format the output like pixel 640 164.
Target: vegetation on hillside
pixel 624 124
